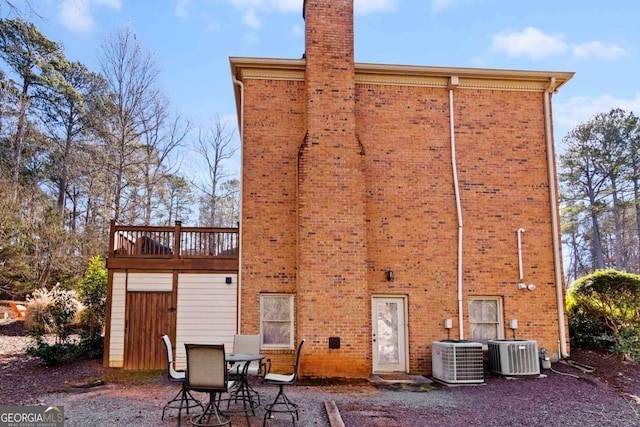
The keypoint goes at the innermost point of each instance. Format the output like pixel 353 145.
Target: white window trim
pixel 500 331
pixel 290 346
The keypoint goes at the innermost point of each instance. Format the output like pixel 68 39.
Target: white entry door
pixel 389 334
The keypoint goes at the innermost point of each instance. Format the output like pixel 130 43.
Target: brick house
pixel 383 202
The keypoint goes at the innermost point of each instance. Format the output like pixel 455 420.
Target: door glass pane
pixel 484 311
pixel 388 346
pixel 483 332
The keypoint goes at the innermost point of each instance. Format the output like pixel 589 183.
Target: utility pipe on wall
pixel 555 231
pixel 241 132
pixel 520 231
pixel 453 83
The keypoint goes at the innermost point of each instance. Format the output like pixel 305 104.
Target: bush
pixel 587 331
pixel 606 303
pixel 629 344
pixel 90 346
pixel 52 312
pixel 92 290
pixel 50 354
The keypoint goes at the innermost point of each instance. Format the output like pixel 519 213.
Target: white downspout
pixel 520 268
pixel 453 83
pixel 555 231
pixel 241 132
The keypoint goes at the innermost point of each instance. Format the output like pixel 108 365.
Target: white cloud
pixel 242 4
pixel 288 5
pixel 182 9
pixel 255 7
pixel 369 6
pixel 599 50
pixel 580 109
pixel 76 14
pixel 212 25
pixel 113 4
pixel 251 20
pixel 296 32
pixel 530 42
pixel 251 38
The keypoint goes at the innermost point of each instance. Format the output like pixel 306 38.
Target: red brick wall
pixel 411 224
pixel 342 182
pixel 273 131
pixel 332 288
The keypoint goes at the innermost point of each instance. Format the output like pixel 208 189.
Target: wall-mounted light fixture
pixel 389 275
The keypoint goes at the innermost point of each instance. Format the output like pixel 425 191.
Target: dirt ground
pixel 565 395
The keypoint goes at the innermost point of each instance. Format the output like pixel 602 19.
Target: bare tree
pixel 179 200
pixel 161 136
pixel 17 8
pixel 131 76
pixel 215 146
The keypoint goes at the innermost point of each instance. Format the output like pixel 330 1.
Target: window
pixel 485 319
pixel 276 321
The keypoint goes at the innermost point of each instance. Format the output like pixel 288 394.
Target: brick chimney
pixel 333 299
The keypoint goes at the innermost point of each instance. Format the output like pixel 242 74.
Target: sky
pixel 192 40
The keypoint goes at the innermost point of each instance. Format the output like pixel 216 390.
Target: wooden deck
pixel 173 248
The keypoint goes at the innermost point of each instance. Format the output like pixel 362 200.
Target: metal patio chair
pixel 183 400
pixel 207 372
pixel 282 404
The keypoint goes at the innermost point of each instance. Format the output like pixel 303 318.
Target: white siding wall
pixel 150 282
pixel 206 311
pixel 116 343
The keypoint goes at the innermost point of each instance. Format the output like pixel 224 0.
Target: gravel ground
pixel 134 399
pixel 554 400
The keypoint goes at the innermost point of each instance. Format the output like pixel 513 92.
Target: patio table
pixel 244 392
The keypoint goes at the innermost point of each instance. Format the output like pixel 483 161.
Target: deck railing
pixel 172 242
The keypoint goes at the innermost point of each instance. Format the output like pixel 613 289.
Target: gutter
pixel 555 229
pixel 241 132
pixel 453 84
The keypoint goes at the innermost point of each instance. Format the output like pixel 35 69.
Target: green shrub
pixel 54 311
pixel 629 344
pixel 92 290
pixel 587 331
pixel 90 346
pixel 50 354
pixel 606 303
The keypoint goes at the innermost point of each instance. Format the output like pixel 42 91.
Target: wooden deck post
pixel 112 236
pixel 176 239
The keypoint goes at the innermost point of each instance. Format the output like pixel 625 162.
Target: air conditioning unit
pixel 514 357
pixel 457 362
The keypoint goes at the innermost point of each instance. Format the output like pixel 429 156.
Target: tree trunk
pixel 597 241
pixel 18 140
pixel 620 257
